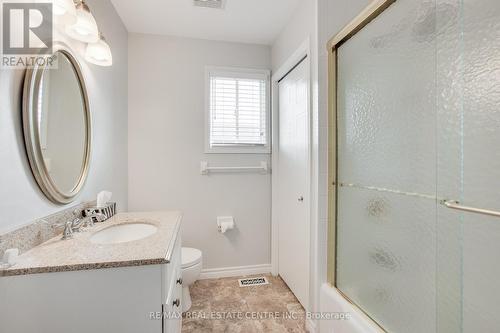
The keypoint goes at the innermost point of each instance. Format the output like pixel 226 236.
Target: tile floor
pixel 221 305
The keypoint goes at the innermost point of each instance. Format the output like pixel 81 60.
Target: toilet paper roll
pixel 225 223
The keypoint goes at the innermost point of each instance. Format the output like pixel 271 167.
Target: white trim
pixel 331 301
pixel 290 63
pixel 223 272
pixel 301 52
pixel 236 72
pixel 205 169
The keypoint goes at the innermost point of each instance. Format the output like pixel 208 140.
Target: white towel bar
pixel 205 169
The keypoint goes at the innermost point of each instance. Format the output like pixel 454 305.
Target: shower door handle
pixel 456 205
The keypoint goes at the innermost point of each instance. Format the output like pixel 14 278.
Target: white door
pixel 293 182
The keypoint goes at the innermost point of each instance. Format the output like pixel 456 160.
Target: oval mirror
pixel 57 126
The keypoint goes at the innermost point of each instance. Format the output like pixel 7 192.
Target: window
pixel 237 111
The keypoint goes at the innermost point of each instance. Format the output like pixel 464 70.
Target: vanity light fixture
pixel 85 28
pixel 64 11
pixel 99 53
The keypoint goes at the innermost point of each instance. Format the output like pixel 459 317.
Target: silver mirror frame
pixel 31 130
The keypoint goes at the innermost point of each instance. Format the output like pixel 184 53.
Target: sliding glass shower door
pixel 477 78
pixel 418 136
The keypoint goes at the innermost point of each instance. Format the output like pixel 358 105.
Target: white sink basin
pixel 122 233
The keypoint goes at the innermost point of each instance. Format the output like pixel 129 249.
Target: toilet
pixel 191 269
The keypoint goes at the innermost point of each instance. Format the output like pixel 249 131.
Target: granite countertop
pixel 79 253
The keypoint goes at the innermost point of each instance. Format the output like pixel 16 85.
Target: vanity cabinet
pixel 112 300
pixel 172 294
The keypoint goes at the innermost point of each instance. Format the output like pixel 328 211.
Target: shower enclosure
pixel 415 166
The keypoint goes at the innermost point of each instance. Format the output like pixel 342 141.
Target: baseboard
pixel 310 325
pixel 217 273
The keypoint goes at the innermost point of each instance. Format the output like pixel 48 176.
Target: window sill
pixel 238 150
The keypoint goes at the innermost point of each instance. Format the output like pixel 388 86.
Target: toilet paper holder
pixel 225 223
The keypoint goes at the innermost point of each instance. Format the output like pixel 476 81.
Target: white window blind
pixel 238 110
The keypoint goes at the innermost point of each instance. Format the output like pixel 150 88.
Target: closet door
pixel 293 188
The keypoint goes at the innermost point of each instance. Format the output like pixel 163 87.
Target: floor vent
pixel 218 4
pixel 258 281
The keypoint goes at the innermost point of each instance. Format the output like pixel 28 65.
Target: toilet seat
pixel 190 257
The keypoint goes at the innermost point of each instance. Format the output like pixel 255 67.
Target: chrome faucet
pixel 77 224
pixel 68 230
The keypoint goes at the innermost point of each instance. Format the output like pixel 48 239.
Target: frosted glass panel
pixel 419 122
pixel 449 184
pixel 468 49
pixel 386 257
pixel 481 124
pixel 387 207
pixel 387 101
pixel 481 272
pixel 481 164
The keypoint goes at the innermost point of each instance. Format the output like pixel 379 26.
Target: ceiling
pixel 246 21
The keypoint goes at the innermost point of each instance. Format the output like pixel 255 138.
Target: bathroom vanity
pixel 122 275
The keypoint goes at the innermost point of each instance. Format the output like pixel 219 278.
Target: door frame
pixel 303 53
pixel 373 10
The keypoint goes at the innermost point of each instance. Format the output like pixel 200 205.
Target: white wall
pixel 317 20
pixel 21 201
pixel 333 15
pixel 302 25
pixel 166 145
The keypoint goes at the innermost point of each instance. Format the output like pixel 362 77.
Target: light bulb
pixel 99 53
pixel 85 28
pixel 64 11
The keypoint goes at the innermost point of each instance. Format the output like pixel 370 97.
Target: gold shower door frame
pixel 359 22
